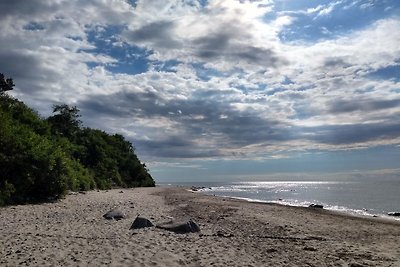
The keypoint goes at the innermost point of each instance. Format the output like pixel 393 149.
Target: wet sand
pixel 72 232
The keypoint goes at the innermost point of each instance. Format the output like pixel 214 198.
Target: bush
pixel 42 159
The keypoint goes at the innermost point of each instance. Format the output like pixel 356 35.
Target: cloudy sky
pixel 218 89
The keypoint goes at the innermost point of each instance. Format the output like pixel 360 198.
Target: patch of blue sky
pixel 244 89
pixel 301 113
pixel 297 5
pixel 132 2
pixel 273 91
pixel 287 81
pixel 203 3
pixel 130 59
pixel 205 74
pixel 262 86
pixel 342 19
pixel 368 89
pixel 130 67
pixel 268 90
pixel 387 73
pixel 33 26
pixel 258 87
pixel 305 87
pixel 165 66
pixel 75 38
pixel 91 65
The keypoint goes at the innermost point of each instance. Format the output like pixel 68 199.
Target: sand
pixel 72 232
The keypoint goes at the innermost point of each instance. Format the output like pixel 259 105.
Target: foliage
pixel 112 159
pixel 65 122
pixel 31 165
pixel 5 84
pixel 41 159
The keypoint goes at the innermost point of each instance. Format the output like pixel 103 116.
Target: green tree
pixel 66 121
pixel 41 159
pixel 6 84
pixel 32 166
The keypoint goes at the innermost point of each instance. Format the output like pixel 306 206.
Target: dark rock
pixel 141 222
pixel 114 214
pixel 317 206
pixel 355 264
pixel 197 188
pixel 181 227
pixel 395 214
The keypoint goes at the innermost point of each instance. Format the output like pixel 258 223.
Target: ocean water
pixel 366 197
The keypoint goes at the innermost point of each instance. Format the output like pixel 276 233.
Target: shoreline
pixel 334 207
pixel 375 218
pixel 382 217
pixel 234 232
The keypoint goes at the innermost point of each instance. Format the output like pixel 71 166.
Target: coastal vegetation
pixel 43 158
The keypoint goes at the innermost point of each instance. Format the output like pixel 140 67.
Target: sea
pixel 363 196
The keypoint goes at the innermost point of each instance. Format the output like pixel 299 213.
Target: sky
pixel 218 90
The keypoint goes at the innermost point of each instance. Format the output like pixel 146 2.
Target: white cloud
pixel 225 34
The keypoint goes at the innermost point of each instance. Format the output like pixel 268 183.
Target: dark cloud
pixel 158 34
pixel 176 147
pixel 197 119
pixel 249 129
pixel 28 72
pixel 25 8
pixel 336 63
pixel 212 46
pixel 344 106
pixel 261 56
pixel 353 133
pixel 228 44
pixel 18 65
pixel 208 116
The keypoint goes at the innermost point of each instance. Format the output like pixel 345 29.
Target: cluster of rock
pixel 181 227
pixel 197 188
pixel 114 214
pixel 316 206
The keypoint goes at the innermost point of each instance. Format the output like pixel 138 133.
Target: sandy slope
pixel 73 232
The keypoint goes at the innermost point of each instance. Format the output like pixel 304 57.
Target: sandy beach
pixel 73 232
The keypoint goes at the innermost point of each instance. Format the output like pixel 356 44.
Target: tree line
pixel 42 158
